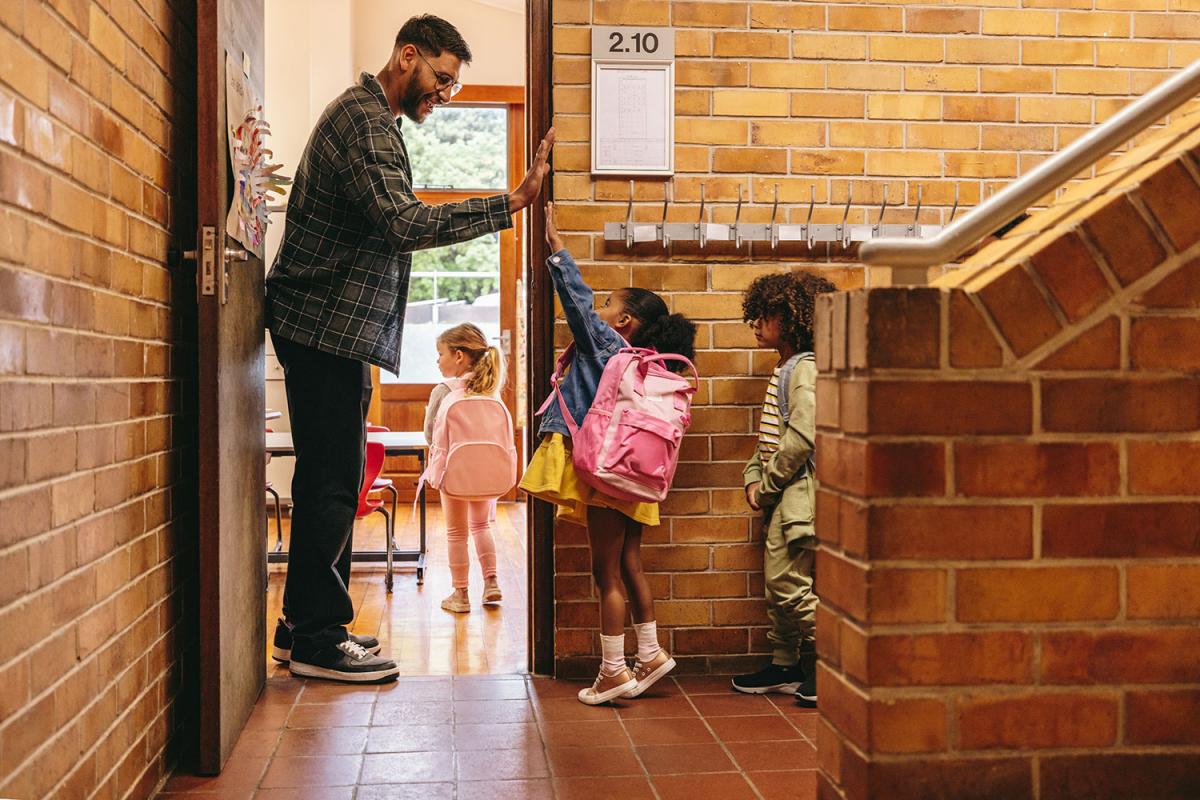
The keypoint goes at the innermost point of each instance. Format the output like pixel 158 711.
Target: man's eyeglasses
pixel 443 80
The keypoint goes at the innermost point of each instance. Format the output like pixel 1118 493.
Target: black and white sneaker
pixel 345 662
pixel 281 647
pixel 806 695
pixel 773 678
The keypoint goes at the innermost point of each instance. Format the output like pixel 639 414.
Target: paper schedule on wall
pixel 633 101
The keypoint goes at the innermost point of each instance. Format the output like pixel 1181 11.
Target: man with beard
pixel 336 298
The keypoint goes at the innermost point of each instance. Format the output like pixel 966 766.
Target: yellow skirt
pixel 551 476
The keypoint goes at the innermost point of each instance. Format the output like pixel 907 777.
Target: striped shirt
pixel 769 427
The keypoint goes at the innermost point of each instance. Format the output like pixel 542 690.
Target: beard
pixel 412 101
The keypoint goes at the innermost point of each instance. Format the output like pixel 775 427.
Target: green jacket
pixel 786 484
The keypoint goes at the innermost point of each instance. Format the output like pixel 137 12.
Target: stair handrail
pixel 1003 206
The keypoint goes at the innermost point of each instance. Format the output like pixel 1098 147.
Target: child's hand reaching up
pixel 552 238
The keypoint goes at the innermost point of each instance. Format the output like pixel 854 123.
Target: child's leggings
pixel 474 516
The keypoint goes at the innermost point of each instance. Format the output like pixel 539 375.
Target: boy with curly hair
pixel 779 479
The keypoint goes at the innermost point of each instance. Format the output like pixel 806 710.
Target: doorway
pixel 476 146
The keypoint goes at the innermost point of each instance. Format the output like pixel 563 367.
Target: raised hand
pixel 552 238
pixel 531 186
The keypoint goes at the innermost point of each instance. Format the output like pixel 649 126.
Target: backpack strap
pixel 785 380
pixel 560 368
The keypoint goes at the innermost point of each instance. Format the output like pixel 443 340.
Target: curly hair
pixel 790 296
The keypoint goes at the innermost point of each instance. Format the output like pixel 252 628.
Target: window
pixel 459 152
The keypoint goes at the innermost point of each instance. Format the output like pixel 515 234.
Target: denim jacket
pixel 595 344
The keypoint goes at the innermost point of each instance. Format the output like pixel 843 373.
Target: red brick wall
pixel 94 120
pixel 1008 512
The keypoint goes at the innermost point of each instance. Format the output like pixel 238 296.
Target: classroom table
pixel 395 443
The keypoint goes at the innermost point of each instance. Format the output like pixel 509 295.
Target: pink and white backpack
pixel 472 456
pixel 628 445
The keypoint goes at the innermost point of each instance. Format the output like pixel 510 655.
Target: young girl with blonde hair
pixel 468 362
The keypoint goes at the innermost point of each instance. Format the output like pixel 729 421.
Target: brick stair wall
pixel 1009 552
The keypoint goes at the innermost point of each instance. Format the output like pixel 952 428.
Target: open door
pixel 232 548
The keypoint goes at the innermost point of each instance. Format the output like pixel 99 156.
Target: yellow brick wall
pixel 829 98
pixel 95 117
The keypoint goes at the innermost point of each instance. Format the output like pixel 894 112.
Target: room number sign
pixel 633 100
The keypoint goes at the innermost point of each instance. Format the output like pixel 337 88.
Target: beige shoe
pixel 491 591
pixel 608 687
pixel 457 602
pixel 648 673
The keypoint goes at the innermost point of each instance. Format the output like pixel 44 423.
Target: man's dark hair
pixel 433 35
pixel 791 296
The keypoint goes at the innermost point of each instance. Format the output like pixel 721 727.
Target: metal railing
pixel 969 229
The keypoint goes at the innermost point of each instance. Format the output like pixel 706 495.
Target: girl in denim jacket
pixel 640 318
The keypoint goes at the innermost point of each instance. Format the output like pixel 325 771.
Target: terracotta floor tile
pixel 329 692
pixel 806 721
pixel 471 689
pixel 683 730
pixel 412 713
pixel 321 742
pixel 312 771
pixel 330 715
pixel 307 793
pixel 624 788
pixel 409 690
pixel 537 789
pixel 724 785
pixel 547 688
pixel 503 765
pixel 256 744
pixel 239 773
pixel 466 711
pixel 686 759
pixel 753 729
pixel 705 684
pixel 755 756
pixel 560 709
pixel 571 762
pixel 409 738
pixel 270 717
pixel 495 736
pixel 664 688
pixel 410 791
pixel 224 794
pixel 800 785
pixel 569 733
pixel 732 705
pixel 408 768
pixel 652 707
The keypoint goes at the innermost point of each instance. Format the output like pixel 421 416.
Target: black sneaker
pixel 345 662
pixel 774 678
pixel 806 695
pixel 281 648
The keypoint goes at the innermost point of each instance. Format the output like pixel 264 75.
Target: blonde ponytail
pixel 487 366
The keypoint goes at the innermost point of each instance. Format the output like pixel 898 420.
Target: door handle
pixel 236 254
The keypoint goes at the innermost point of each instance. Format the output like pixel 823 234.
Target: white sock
pixel 647 640
pixel 612 649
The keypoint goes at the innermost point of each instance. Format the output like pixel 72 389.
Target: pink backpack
pixel 471 456
pixel 628 445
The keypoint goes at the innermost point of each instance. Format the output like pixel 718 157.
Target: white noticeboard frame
pixel 633 101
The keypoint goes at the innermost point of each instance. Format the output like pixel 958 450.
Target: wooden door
pixel 232 548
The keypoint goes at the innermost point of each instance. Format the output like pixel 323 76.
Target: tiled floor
pixel 514 737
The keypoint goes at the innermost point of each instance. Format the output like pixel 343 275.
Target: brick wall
pixel 94 120
pixel 841 97
pixel 1008 511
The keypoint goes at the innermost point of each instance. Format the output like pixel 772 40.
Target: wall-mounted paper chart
pixel 633 101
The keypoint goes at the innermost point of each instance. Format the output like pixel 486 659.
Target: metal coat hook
pixel 772 231
pixel 629 218
pixel 737 218
pixel 700 221
pixel 882 208
pixel 808 231
pixel 843 232
pixel 954 210
pixel 917 213
pixel 662 226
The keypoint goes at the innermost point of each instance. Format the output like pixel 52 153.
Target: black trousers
pixel 328 397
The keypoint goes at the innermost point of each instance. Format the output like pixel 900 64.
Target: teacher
pixel 336 298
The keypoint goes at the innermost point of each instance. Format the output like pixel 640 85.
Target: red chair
pixel 369 505
pixel 384 484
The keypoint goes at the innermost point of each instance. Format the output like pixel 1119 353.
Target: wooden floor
pixel 410 623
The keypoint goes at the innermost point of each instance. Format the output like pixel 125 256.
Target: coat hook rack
pixel 702 232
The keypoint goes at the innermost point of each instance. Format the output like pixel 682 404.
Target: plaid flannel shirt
pixel 340 278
